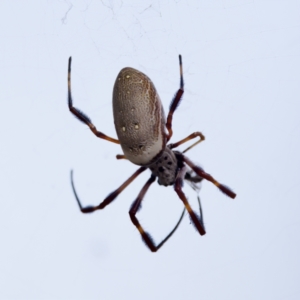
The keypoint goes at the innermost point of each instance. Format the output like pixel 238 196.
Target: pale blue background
pixel 241 65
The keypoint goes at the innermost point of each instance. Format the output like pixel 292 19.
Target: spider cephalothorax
pixel 165 167
pixel 143 133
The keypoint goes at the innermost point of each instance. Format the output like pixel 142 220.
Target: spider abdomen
pixel 139 117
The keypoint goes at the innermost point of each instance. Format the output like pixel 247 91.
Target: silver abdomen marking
pixel 139 117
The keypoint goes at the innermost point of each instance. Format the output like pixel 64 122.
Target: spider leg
pixel 145 235
pixel 175 102
pixel 83 117
pixel 200 208
pixel 120 156
pixel 188 138
pixel 193 181
pixel 199 171
pixel 110 197
pixel 197 220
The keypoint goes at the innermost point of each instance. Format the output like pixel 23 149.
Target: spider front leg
pixel 112 196
pixel 175 102
pixel 197 220
pixel 145 235
pixel 81 116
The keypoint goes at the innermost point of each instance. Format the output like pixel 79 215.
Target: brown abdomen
pixel 138 116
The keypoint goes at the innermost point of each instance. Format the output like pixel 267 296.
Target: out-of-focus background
pixel 241 67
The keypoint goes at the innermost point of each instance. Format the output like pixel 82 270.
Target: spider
pixel 143 133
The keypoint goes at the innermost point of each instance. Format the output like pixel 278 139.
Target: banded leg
pixel 175 102
pixel 83 117
pixel 188 138
pixel 145 235
pixel 110 197
pixel 197 220
pixel 226 190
